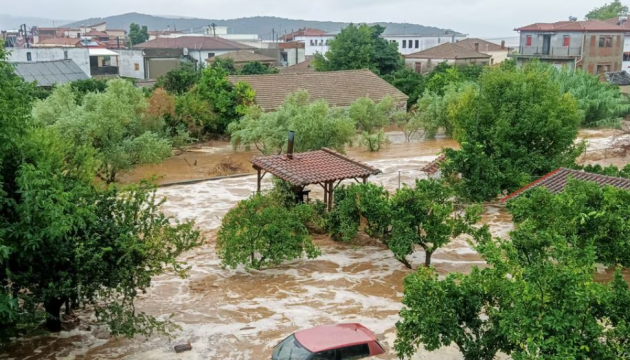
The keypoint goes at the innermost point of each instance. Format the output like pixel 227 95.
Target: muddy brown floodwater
pixel 237 315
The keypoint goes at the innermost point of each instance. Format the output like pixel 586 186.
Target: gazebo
pixel 326 168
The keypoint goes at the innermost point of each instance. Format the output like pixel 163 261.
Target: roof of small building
pixel 556 180
pixel 329 337
pixel 303 32
pixel 448 51
pixel 339 88
pixel 484 45
pixel 193 43
pixel 97 33
pixel 618 20
pixel 434 166
pixel 60 41
pixel 49 73
pixel 314 167
pixel 243 56
pixel 621 78
pixel 573 26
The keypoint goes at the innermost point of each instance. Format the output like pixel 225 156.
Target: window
pixel 321 43
pixel 65 54
pixel 290 349
pixel 312 42
pixel 418 67
pixel 626 56
pixel 404 44
pixel 29 57
pixel 79 35
pixel 354 352
pixel 326 355
pixel 417 44
pixel 605 41
pixel 491 61
pixel 603 68
pixel 528 40
pixel 210 55
pixel 567 40
pixel 136 66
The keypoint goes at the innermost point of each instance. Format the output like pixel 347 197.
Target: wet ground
pixel 241 316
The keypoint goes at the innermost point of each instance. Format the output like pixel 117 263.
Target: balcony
pixel 104 70
pixel 561 52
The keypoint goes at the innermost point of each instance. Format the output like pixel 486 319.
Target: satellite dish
pixel 185 50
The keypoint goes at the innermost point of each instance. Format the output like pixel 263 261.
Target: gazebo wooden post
pixel 258 179
pixel 365 180
pixel 325 193
pixel 331 191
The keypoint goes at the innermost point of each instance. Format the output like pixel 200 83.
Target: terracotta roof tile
pixel 579 26
pixel 303 32
pixel 556 180
pixel 60 41
pixel 339 88
pixel 314 167
pixel 243 56
pixel 448 51
pixel 434 166
pixel 484 45
pixel 193 43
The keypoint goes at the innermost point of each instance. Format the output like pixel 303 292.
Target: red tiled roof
pixel 193 43
pixel 556 180
pixel 434 166
pixel 448 51
pixel 616 21
pixel 304 66
pixel 60 41
pixel 579 26
pixel 483 45
pixel 303 32
pixel 314 167
pixel 97 33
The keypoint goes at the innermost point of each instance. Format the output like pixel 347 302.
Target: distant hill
pixel 9 22
pixel 261 25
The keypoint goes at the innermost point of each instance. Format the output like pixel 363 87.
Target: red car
pixel 331 342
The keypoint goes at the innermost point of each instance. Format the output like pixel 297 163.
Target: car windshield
pixel 290 349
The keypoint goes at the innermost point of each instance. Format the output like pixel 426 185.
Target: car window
pixel 326 355
pixel 355 352
pixel 290 349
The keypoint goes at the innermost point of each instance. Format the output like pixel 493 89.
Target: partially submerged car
pixel 330 342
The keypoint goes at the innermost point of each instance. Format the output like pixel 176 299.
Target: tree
pixel 196 114
pixel 524 305
pixel 180 80
pixel 608 11
pixel 370 118
pixel 316 123
pixel 137 34
pixel 83 87
pixel 410 124
pixel 226 65
pixel 114 123
pixel 515 127
pixel 435 111
pixel 429 215
pixel 260 232
pixel 409 82
pixel 360 47
pixel 257 68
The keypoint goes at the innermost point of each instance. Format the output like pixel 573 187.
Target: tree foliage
pixel 360 47
pixel 608 11
pixel 515 127
pixel 257 68
pixel 260 232
pixel 180 80
pixel 138 34
pixel 315 123
pixel 409 82
pixel 371 118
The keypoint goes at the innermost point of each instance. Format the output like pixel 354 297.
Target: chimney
pixel 290 145
pixel 477 47
pixel 502 44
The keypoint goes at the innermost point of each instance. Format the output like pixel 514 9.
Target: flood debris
pixel 180 348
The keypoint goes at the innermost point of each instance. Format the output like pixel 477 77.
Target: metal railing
pixel 104 70
pixel 540 51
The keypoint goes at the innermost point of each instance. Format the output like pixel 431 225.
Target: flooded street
pixel 237 315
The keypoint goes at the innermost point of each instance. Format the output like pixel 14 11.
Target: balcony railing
pixel 104 70
pixel 551 52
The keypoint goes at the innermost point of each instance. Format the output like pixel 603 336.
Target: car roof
pixel 330 337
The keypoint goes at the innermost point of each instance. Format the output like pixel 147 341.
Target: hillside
pixel 9 22
pixel 262 26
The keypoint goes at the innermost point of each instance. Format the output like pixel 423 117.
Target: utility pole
pixel 273 35
pixel 214 29
pixel 118 41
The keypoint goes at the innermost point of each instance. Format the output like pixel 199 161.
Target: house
pixel 623 22
pixel 424 61
pixel 103 63
pixel 498 52
pixel 80 56
pixel 594 46
pixel 303 67
pixel 240 58
pixel 556 180
pixel 50 73
pixel 292 53
pixel 410 43
pixel 339 88
pixel 314 40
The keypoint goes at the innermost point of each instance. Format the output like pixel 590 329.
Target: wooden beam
pixel 258 180
pixel 365 179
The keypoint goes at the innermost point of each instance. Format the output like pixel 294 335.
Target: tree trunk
pixel 405 262
pixel 53 308
pixel 427 260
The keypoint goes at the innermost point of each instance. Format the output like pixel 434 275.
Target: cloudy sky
pixel 475 17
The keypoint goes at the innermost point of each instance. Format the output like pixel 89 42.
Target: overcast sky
pixel 475 17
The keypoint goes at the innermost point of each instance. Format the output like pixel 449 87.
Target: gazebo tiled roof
pixel 434 166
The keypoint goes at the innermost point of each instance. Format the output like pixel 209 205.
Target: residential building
pixel 410 43
pixel 157 62
pixel 623 22
pixel 50 73
pixel 339 88
pixel 594 46
pixel 302 67
pixel 240 58
pixel 314 40
pixel 131 63
pixel 292 53
pixel 424 61
pixel 498 53
pixel 80 56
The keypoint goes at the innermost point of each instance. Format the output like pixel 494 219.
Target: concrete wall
pixel 598 59
pixel 426 65
pixel 80 56
pixel 497 56
pixel 202 55
pixel 294 56
pixel 315 44
pixel 131 63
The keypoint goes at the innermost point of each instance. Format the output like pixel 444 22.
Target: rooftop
pixel 434 166
pixel 67 42
pixel 314 167
pixel 448 51
pixel 573 26
pixel 483 45
pixel 243 56
pixel 193 43
pixel 303 32
pixel 303 67
pixel 329 337
pixel 556 180
pixel 49 73
pixel 339 88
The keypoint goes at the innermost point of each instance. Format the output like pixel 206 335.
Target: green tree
pixel 360 47
pixel 83 87
pixel 371 118
pixel 260 232
pixel 410 123
pixel 138 35
pixel 515 127
pixel 316 125
pixel 430 216
pixel 226 65
pixel 435 111
pixel 197 115
pixel 409 82
pixel 608 11
pixel 257 68
pixel 180 80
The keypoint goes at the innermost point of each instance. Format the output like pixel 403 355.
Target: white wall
pixel 294 56
pixel 80 56
pixel 127 62
pixel 315 44
pixel 202 55
pixel 625 65
pixel 424 42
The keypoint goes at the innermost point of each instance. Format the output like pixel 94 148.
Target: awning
pixel 101 52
